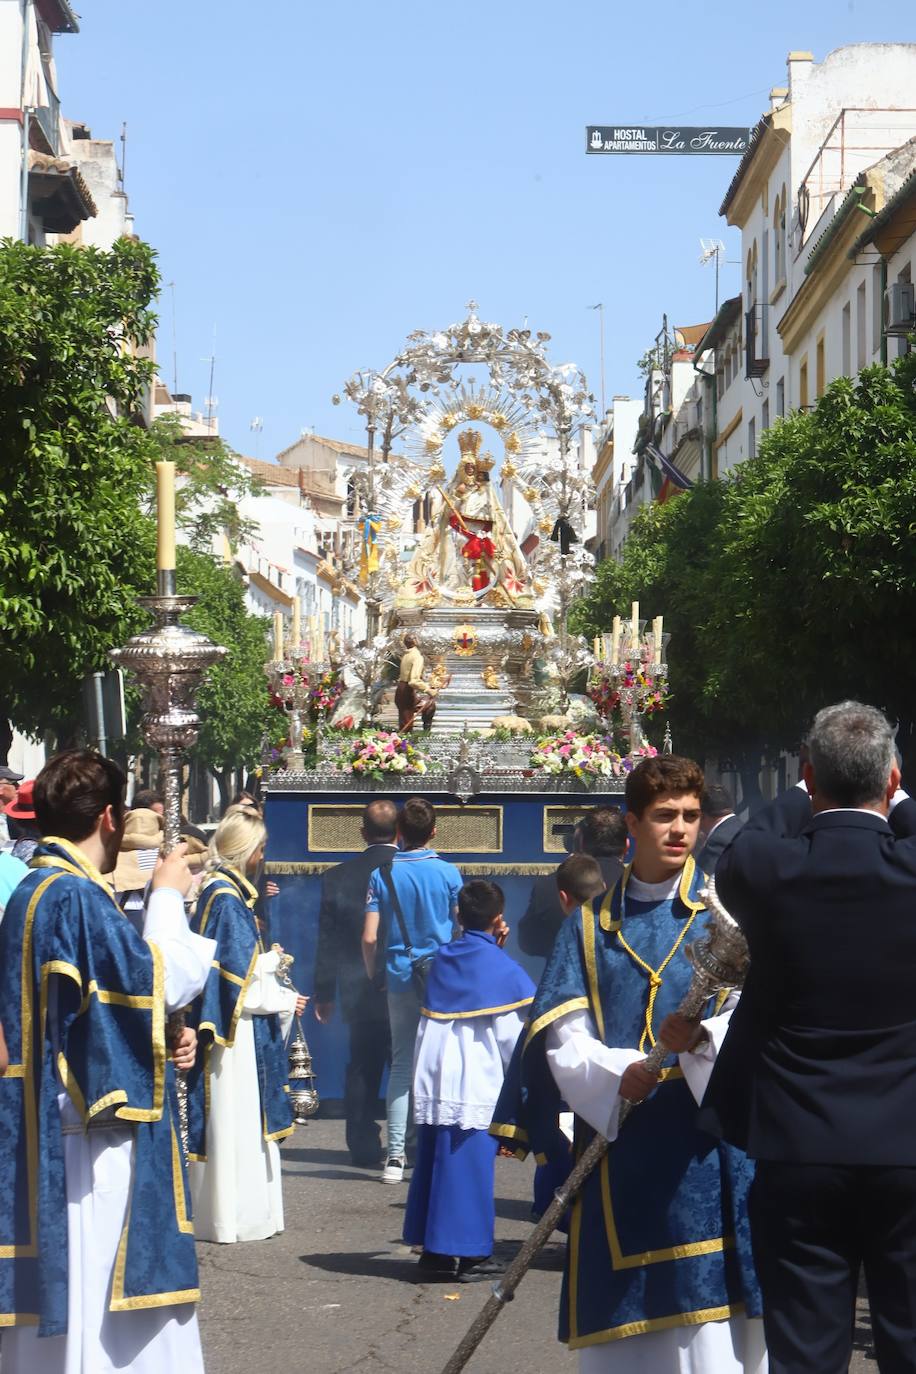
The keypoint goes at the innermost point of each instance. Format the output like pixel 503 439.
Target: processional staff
pixel 169 661
pixel 720 962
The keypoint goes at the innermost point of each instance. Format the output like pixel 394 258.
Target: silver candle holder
pixel 169 661
pixel 288 680
pixel 636 667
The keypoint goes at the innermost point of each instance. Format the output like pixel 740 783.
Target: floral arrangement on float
pixel 315 687
pixel 602 689
pixel 632 686
pixel 372 754
pixel 585 755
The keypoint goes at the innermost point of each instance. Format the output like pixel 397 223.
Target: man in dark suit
pixel 339 968
pixel 816 1079
pixel 602 832
pixel 718 825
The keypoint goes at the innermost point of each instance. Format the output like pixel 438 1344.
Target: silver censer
pixel 303 1093
pixel 168 662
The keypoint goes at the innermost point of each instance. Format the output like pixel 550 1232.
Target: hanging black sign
pixel 641 138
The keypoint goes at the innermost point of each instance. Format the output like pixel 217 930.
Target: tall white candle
pixel 296 637
pixel 278 635
pixel 615 639
pixel 634 627
pixel 165 516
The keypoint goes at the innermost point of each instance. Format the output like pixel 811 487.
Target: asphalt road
pixel 337 1291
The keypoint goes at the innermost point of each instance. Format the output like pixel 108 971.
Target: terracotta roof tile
pixel 272 474
pixel 335 445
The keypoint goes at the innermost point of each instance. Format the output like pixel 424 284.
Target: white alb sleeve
pixel 507 1027
pixel 588 1072
pixel 266 994
pixel 188 958
pixel 698 1067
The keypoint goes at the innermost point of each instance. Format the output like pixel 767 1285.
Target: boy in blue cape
pixel 659 1275
pixel 473 1013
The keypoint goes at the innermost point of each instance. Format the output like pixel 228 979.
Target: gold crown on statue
pixel 469 442
pixel 485 462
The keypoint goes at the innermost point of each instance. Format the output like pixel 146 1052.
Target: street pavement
pixel 337 1291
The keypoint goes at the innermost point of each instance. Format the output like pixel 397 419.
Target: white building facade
pixel 824 293
pixel 615 462
pixel 43 193
pixel 835 144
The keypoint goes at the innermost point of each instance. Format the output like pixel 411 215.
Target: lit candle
pixel 165 516
pixel 615 639
pixel 278 636
pixel 634 627
pixel 657 637
pixel 297 624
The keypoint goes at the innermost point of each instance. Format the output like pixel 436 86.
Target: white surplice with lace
pixel 459 1065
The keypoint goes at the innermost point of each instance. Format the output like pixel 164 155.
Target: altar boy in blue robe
pixel 97 1266
pixel 659 1277
pixel 473 1012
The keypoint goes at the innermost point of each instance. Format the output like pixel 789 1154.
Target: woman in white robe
pixel 235 1162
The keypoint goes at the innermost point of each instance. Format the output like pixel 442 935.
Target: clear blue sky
pixel 320 179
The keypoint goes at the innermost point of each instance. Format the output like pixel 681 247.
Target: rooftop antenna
pixel 174 342
pixel 600 308
pixel 712 249
pixel 124 157
pixel 211 400
pixel 256 426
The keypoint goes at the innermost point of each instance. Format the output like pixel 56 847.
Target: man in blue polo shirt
pixel 427 891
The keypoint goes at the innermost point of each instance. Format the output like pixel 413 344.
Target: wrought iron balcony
pixel 47 120
pixel 756 349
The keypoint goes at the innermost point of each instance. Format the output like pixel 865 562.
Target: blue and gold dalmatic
pixel 63 924
pixel 225 913
pixel 659 1235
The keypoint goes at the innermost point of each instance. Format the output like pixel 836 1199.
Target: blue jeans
pixel 404 1018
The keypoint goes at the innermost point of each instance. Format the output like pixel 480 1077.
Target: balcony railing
pixel 756 345
pixel 47 117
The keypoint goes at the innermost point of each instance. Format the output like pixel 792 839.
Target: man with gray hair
pixel 816 1079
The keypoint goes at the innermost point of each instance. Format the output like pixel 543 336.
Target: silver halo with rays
pixel 423 384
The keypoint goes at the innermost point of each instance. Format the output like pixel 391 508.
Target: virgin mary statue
pixel 469 555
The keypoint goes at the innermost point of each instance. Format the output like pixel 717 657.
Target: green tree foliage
pixel 233 702
pixel 75 547
pixel 212 484
pixel 77 537
pixel 794 583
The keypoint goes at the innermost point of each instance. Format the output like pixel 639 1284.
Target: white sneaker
pixel 393 1171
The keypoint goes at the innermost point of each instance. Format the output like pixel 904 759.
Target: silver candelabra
pixel 634 660
pixel 169 661
pixel 289 681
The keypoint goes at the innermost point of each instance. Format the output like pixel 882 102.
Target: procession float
pixel 469 526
